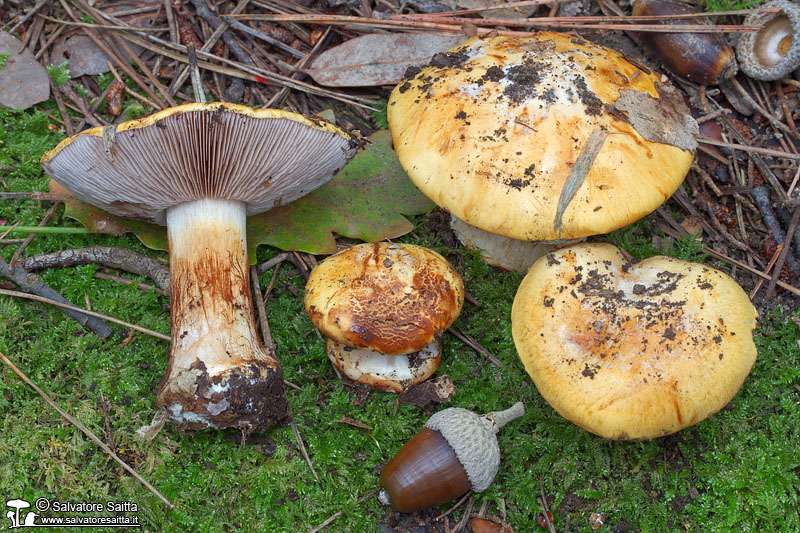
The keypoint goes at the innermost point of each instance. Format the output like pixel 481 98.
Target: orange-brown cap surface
pixel 391 298
pixel 632 351
pixel 541 138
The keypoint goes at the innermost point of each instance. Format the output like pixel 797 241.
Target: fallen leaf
pixel 366 200
pixel 377 58
pixel 481 525
pixel 353 422
pixel 23 81
pixel 83 55
pixel 438 390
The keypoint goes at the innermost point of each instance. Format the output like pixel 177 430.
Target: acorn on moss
pixel 456 452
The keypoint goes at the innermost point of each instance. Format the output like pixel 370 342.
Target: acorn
pixel 705 58
pixel 772 52
pixel 456 452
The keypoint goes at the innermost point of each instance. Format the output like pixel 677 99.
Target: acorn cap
pixel 632 351
pixel 772 52
pixel 541 138
pixel 473 439
pixel 390 298
pixel 142 167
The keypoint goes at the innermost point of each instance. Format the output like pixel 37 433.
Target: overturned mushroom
pixel 201 169
pixel 383 308
pixel 541 139
pixel 632 351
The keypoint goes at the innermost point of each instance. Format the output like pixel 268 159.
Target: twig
pixel 264 37
pixel 26 17
pixel 31 283
pixel 455 24
pixel 266 265
pixel 107 256
pixel 125 281
pixel 763 202
pixel 84 311
pixel 29 239
pixel 109 435
pixel 543 499
pixel 197 82
pixel 114 58
pixel 746 148
pixel 337 514
pixel 454 506
pixel 262 312
pixel 465 517
pixel 785 254
pixel 85 431
pixel 475 345
pixel 302 447
pixel 722 257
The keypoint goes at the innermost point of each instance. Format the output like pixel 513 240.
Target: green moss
pixel 737 470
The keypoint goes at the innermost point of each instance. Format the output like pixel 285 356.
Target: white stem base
pixel 219 375
pixel 503 252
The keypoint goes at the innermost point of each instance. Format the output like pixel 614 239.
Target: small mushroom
pixel 546 138
pixel 383 308
pixel 201 169
pixel 772 52
pixel 632 351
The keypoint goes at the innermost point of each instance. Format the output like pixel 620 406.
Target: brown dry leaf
pixel 438 390
pixel 23 81
pixel 481 525
pixel 83 55
pixel 377 58
pixel 692 225
pixel 353 422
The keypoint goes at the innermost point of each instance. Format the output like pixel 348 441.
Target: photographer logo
pixel 45 513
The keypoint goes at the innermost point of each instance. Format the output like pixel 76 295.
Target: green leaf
pixel 366 200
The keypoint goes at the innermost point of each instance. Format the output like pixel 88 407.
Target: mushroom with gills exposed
pixel 383 308
pixel 201 169
pixel 540 139
pixel 632 351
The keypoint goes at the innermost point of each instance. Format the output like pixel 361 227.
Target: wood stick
pixel 70 307
pixel 36 289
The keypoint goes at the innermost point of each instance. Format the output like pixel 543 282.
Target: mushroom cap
pixel 262 157
pixel 387 373
pixel 772 52
pixel 387 297
pixel 632 351
pixel 494 131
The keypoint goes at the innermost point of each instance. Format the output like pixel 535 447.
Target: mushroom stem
pixel 219 375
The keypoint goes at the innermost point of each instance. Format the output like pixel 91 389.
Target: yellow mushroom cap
pixel 541 138
pixel 390 298
pixel 632 351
